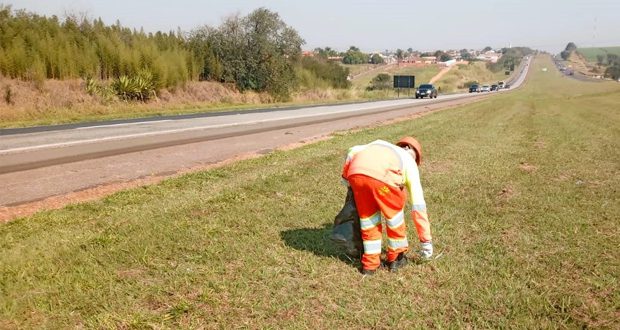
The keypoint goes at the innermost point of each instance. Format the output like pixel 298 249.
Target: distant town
pixel 440 57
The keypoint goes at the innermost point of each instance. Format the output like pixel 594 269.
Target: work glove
pixel 427 250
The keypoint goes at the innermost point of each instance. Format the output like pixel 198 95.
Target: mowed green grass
pixel 522 192
pixel 591 53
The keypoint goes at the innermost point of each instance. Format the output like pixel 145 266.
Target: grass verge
pixel 522 191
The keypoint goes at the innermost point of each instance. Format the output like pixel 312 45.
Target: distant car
pixel 426 90
pixel 485 88
pixel 474 88
pixel 494 87
pixel 506 86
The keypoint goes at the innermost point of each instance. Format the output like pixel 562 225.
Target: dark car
pixel 494 88
pixel 474 88
pixel 506 86
pixel 426 90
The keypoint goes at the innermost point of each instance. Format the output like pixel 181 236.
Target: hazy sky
pixel 378 25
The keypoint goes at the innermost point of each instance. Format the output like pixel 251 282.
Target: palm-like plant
pixel 140 87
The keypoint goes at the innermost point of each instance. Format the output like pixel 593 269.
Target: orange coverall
pixel 378 173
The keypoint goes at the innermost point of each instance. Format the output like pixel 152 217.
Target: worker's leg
pixel 370 219
pixel 391 201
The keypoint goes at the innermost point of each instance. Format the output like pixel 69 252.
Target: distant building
pixel 308 53
pixel 489 56
pixel 429 59
pixel 447 63
pixel 412 59
pixel 454 53
pixel 387 58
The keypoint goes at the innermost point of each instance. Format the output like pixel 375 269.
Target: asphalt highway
pixel 49 147
pixel 39 162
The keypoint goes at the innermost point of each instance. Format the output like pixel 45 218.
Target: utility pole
pixel 594 32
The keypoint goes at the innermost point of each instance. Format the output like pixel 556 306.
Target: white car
pixel 485 88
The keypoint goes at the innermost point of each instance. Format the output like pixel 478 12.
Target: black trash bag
pixel 347 232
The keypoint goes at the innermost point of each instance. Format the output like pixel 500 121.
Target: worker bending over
pixel 378 174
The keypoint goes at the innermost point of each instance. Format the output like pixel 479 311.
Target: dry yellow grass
pixel 455 79
pixel 53 101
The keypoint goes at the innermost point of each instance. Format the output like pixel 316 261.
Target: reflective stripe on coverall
pixel 378 172
pixel 373 198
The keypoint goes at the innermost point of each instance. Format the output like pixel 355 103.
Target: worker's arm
pixel 418 210
pixel 418 205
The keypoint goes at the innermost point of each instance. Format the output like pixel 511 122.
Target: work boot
pixel 368 272
pixel 401 261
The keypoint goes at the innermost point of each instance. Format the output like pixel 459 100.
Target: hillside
pixel 422 73
pixel 458 78
pixel 580 64
pixel 591 54
pixel 599 63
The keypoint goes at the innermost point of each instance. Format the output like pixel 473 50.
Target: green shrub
pixel 139 88
pixel 613 72
pixel 105 92
pixel 333 74
pixel 380 82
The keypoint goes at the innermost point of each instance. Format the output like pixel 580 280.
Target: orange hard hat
pixel 414 144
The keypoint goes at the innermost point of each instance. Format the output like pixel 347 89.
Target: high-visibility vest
pixel 377 161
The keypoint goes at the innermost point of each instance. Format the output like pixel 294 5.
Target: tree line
pixel 510 59
pixel 256 52
pixel 613 66
pixel 37 47
pixel 612 61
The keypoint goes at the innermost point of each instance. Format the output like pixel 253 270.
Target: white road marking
pixel 124 124
pixel 360 107
pixel 179 130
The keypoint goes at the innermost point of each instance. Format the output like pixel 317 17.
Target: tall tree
pixel 400 54
pixel 376 59
pixel 355 56
pixel 256 52
pixel 465 54
pixel 571 46
pixel 326 53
